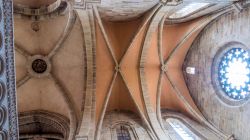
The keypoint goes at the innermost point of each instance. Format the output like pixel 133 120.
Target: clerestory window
pixel 183 132
pixel 123 133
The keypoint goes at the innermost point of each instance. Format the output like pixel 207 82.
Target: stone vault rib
pixel 72 108
pixel 150 111
pixel 196 114
pixel 86 120
pixel 99 21
pixel 66 32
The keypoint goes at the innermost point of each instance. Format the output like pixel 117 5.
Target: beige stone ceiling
pixel 61 91
pixel 138 61
pixel 117 10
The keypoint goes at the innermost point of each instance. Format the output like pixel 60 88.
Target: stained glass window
pixel 181 129
pixel 234 73
pixel 123 133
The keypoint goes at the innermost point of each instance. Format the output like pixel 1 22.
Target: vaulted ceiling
pixel 120 55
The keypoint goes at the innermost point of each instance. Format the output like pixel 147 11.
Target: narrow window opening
pixel 183 132
pixel 123 133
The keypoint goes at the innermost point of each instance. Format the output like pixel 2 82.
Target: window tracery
pixel 231 73
pixel 234 73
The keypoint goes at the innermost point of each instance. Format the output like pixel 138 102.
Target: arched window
pixel 123 133
pixel 181 130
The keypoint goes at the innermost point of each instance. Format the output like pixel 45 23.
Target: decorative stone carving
pixel 1 65
pixel 26 10
pixel 52 10
pixel 3 135
pixel 84 4
pixel 2 91
pixel 39 66
pixel 8 112
pixel 35 26
pixel 2 116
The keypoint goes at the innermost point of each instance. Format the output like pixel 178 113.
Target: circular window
pixel 231 73
pixel 234 73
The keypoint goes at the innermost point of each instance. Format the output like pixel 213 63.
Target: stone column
pixel 8 110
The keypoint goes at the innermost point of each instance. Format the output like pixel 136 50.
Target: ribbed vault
pixel 98 63
pixel 140 68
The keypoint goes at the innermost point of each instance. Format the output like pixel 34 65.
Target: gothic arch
pixel 127 119
pixel 43 124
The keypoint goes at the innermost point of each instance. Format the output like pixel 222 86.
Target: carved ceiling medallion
pixel 38 66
